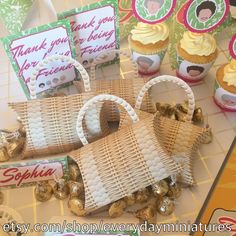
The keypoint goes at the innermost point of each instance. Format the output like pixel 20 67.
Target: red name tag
pixel 23 173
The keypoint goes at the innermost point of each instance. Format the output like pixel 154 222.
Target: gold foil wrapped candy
pixel 182 107
pixel 1 199
pixel 142 195
pixel 15 147
pixel 74 172
pixel 165 109
pixel 174 191
pixel 76 206
pixel 43 191
pixel 76 189
pixel 4 154
pixel 160 188
pixel 165 206
pixel 146 213
pixel 208 136
pixel 61 189
pixel 180 116
pixel 130 200
pixel 117 208
pixel 198 115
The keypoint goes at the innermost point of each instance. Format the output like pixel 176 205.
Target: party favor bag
pixel 125 88
pixel 123 162
pixel 179 139
pixel 50 123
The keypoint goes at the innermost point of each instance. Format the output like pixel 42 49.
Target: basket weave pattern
pixel 51 124
pixel 122 163
pixel 127 89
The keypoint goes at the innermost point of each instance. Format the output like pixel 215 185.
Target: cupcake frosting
pixel 230 73
pixel 198 44
pixel 150 34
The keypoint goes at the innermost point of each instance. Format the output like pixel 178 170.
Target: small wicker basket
pixel 125 88
pixel 50 122
pixel 123 162
pixel 179 139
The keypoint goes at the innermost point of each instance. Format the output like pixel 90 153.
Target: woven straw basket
pixel 179 139
pixel 125 88
pixel 50 123
pixel 123 162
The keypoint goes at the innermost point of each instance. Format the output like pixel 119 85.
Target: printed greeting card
pixel 26 49
pixel 95 29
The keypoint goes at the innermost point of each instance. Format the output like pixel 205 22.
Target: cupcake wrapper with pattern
pixel 224 99
pixel 192 72
pixel 149 64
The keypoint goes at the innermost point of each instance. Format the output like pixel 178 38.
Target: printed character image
pixel 49 83
pixel 205 10
pixel 41 85
pixel 55 80
pixel 63 78
pixel 144 63
pixel 153 6
pixel 228 100
pixel 85 63
pixel 194 71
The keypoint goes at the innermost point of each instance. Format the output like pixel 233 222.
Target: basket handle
pixel 47 60
pixel 99 59
pixel 102 98
pixel 175 80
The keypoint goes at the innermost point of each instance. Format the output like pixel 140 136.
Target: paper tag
pixel 192 71
pixel 26 49
pixel 26 173
pixel 95 29
pixel 232 47
pixel 153 11
pixel 203 16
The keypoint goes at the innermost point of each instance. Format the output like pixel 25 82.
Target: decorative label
pixel 227 220
pixel 153 11
pixel 203 16
pixel 26 49
pixel 224 98
pixel 25 173
pixel 148 64
pixel 95 29
pixel 232 47
pixel 192 71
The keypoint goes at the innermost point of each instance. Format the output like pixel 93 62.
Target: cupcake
pixel 148 44
pixel 225 86
pixel 196 54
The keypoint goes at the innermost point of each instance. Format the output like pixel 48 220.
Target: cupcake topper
pixel 232 47
pixel 205 15
pixel 153 11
